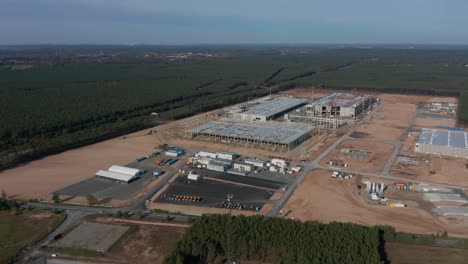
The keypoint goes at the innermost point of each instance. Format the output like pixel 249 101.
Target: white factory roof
pixel 340 99
pixel 274 106
pixel 278 132
pixel 456 139
pixel 125 170
pixel 115 175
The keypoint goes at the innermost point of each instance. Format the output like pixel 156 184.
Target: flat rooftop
pixel 456 139
pixel 271 107
pixel 340 99
pixel 278 132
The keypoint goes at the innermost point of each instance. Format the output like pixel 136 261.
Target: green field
pixel 18 231
pixel 47 109
pixel 418 254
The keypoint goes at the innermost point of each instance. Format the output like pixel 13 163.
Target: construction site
pixel 332 111
pixel 339 157
pixel 276 123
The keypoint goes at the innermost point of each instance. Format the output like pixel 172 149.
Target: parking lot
pixel 214 192
pixel 108 189
pixel 263 180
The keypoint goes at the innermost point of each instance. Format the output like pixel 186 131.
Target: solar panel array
pixel 456 139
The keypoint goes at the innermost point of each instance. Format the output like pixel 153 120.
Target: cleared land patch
pixel 418 254
pixel 361 155
pixel 321 198
pixel 92 236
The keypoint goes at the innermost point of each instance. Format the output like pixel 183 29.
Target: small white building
pixel 256 162
pixel 227 155
pixel 193 177
pixel 241 166
pixel 212 155
pixel 279 162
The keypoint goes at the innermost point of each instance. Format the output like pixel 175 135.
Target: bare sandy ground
pixel 447 170
pixel 321 198
pixel 389 122
pixel 394 116
pixel 433 122
pixel 376 162
pixel 39 178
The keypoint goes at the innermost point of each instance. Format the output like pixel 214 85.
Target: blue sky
pixel 232 22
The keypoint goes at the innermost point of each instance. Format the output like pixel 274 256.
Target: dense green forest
pixel 276 240
pixel 53 107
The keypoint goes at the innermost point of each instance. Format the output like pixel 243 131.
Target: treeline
pixel 295 77
pixel 267 81
pixel 46 110
pixel 215 238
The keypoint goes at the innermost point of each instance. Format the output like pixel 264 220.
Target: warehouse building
pixel 126 170
pixel 227 155
pixel 256 162
pixel 241 166
pixel 115 176
pixel 267 109
pixel 444 142
pixel 120 174
pixel 276 135
pixel 338 105
pixel 219 165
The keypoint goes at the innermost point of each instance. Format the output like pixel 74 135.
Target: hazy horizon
pixel 211 22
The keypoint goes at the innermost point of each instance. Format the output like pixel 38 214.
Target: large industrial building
pixel 265 110
pixel 283 135
pixel 445 142
pixel 339 105
pixel 332 111
pixel 120 174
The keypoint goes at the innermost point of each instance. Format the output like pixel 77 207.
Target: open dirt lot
pixel 388 123
pixel 395 115
pixel 93 236
pixel 38 179
pixel 379 154
pixel 447 170
pixel 148 244
pixel 433 122
pixel 321 198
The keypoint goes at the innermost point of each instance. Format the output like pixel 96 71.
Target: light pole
pixel 229 230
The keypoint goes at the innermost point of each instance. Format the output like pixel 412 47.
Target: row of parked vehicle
pixel 185 198
pixel 239 206
pixel 166 161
